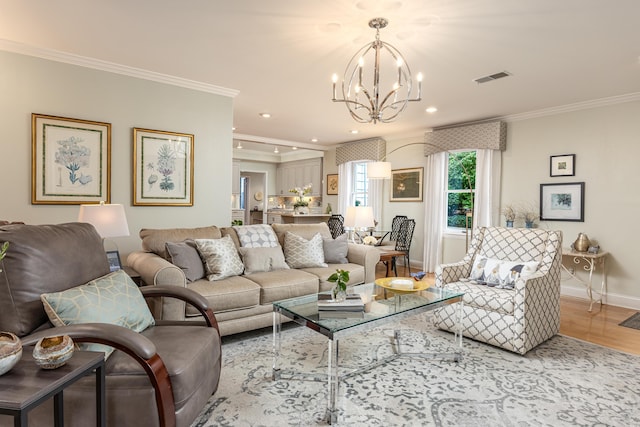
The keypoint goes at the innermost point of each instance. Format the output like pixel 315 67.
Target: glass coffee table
pixel 304 311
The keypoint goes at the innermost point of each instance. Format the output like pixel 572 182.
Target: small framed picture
pixel 406 185
pixel 562 202
pixel 71 161
pixel 114 260
pixel 563 165
pixel 332 184
pixel 162 168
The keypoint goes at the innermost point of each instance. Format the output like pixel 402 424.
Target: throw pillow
pixel 185 255
pixel 112 299
pixel 301 253
pixel 220 257
pixel 257 260
pixel 257 236
pixel 501 274
pixel 335 250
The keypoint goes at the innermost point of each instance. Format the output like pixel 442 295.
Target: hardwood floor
pixel 598 327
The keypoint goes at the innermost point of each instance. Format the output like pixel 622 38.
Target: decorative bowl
pixel 53 352
pixel 10 351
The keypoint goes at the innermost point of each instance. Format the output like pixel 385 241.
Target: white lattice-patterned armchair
pixel 520 308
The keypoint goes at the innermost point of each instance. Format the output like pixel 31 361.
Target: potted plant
pixel 340 278
pixel 300 205
pixel 529 217
pixel 509 215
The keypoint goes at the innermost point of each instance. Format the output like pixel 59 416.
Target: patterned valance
pixel 492 135
pixel 366 149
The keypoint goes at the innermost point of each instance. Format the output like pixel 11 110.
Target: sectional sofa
pixel 243 302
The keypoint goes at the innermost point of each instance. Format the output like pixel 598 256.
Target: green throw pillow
pixel 113 299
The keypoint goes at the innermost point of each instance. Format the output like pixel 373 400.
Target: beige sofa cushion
pixel 232 293
pixel 154 240
pixel 283 284
pixel 356 274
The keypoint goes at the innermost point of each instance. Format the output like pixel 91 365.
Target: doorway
pixel 254 186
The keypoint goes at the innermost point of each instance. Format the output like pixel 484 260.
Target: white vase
pixel 301 210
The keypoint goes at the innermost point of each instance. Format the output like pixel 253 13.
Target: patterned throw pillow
pixel 302 253
pixel 220 257
pixel 501 274
pixel 112 299
pixel 257 236
pixel 257 260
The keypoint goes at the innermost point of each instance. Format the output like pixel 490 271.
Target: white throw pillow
pixel 301 253
pixel 220 256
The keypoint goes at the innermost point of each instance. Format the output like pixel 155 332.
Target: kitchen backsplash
pixel 286 202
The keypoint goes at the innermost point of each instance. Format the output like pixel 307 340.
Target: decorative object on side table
pixel 53 352
pixel 370 240
pixel 509 215
pixel 10 351
pixel 582 243
pixel 340 278
pixel 301 206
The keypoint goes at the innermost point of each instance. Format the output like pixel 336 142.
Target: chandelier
pixel 387 95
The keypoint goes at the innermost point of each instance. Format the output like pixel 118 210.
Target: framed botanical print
pixel 562 202
pixel 332 184
pixel 162 168
pixel 406 185
pixel 70 161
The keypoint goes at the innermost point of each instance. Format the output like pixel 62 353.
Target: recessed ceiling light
pixel 233 128
pixel 354 131
pixel 294 148
pixel 431 110
pixel 276 150
pixel 239 146
pixel 265 115
pixel 314 139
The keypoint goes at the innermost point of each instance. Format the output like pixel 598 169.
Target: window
pixel 461 179
pixel 359 185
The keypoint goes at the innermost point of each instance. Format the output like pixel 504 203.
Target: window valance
pixel 366 149
pixel 491 135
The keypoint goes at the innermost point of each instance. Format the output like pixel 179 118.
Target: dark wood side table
pixel 27 385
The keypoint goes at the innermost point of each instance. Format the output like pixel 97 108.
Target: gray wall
pixel 31 85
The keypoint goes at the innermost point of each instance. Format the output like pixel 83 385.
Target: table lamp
pixel 359 218
pixel 109 221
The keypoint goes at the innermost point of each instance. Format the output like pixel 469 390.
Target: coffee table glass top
pixel 305 308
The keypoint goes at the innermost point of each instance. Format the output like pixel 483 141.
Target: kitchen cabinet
pixel 274 218
pixel 235 177
pixel 299 174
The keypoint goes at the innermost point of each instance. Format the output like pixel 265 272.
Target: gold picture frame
pixel 406 185
pixel 70 161
pixel 332 184
pixel 162 168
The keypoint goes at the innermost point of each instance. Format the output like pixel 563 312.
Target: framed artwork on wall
pixel 406 185
pixel 562 202
pixel 70 161
pixel 162 168
pixel 332 184
pixel 563 165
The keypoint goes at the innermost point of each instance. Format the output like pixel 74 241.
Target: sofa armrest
pixel 157 271
pixel 449 273
pixel 366 256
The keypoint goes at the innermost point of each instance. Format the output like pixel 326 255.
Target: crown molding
pixel 111 67
pixel 595 103
pixel 274 141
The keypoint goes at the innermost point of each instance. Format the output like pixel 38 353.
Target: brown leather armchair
pixel 162 376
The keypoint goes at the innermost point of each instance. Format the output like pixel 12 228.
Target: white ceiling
pixel 280 54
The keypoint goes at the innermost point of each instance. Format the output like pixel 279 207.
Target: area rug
pixel 563 382
pixel 632 322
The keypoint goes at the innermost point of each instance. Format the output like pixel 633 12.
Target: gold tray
pixel 385 282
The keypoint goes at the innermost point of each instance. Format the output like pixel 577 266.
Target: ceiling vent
pixel 492 77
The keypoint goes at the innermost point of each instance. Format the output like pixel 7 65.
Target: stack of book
pixel 328 308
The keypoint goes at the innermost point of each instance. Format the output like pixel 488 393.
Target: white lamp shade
pixel 359 217
pixel 379 170
pixel 109 220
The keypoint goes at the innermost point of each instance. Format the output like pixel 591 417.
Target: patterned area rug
pixel 632 322
pixel 563 382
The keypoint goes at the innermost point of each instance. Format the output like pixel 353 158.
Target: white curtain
pixel 488 171
pixel 435 181
pixel 344 187
pixel 376 198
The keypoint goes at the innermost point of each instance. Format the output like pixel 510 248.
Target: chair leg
pixel 395 266
pixel 407 263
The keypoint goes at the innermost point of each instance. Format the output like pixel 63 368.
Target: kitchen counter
pixel 290 218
